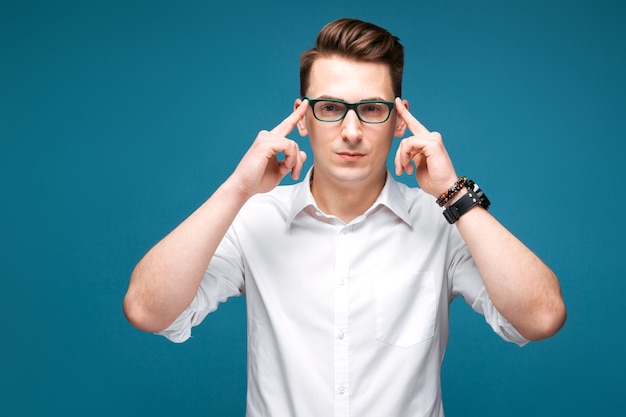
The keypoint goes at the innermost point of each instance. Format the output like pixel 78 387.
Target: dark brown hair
pixel 358 40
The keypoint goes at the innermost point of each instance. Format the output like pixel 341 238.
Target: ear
pixel 400 123
pixel 302 122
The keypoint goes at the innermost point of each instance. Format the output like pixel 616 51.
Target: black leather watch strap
pixel 473 197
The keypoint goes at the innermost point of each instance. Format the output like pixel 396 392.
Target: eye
pixel 372 108
pixel 329 107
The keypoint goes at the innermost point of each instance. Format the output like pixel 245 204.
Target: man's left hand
pixel 433 169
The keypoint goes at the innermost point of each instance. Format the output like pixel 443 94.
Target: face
pixel 350 152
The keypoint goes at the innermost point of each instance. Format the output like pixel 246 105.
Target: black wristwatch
pixel 473 197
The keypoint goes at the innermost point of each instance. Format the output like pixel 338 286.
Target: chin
pixel 353 175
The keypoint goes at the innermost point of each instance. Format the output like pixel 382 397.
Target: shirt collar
pixel 391 197
pixel 302 197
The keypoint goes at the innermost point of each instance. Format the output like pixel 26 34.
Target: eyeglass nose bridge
pixel 352 106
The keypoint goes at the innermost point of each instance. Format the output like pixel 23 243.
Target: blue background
pixel 117 119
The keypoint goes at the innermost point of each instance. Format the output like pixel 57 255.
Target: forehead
pixel 350 80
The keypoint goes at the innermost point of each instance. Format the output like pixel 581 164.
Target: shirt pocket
pixel 406 309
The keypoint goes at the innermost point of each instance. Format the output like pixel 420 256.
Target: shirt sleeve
pixel 223 278
pixel 467 282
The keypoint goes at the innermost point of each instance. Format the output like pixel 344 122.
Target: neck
pixel 346 201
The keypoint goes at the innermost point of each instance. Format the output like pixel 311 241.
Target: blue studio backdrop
pixel 119 118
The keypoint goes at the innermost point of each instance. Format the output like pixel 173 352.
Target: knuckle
pixel 436 136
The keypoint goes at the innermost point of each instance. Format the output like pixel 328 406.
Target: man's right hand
pixel 260 170
pixel 166 280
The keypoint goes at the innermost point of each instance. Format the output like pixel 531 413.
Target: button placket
pixel 341 322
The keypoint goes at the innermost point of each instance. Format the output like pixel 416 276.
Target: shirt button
pixel 341 334
pixel 341 390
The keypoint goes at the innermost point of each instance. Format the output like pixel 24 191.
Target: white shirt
pixel 343 319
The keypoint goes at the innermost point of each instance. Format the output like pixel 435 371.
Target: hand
pixel 260 170
pixel 434 171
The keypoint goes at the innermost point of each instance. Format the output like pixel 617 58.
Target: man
pixel 348 275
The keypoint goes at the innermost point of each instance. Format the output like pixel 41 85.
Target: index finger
pixel 411 122
pixel 286 126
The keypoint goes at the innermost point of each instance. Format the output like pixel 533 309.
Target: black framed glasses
pixel 368 111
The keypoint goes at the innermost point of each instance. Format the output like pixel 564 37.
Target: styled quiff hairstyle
pixel 358 40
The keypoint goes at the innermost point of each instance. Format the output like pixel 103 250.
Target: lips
pixel 350 156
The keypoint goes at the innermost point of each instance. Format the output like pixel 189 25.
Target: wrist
pixel 236 190
pixel 454 192
pixel 456 197
pixel 463 201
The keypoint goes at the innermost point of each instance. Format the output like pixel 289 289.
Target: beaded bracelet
pixel 445 197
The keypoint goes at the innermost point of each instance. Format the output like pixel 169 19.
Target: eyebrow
pixel 337 98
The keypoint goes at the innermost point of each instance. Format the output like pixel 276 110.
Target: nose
pixel 351 127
